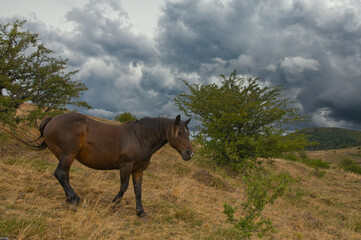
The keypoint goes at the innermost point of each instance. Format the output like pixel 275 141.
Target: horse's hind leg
pixel 62 174
pixel 137 183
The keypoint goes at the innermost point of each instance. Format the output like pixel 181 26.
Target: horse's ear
pixel 177 120
pixel 186 122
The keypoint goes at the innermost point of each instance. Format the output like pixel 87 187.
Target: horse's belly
pixel 98 160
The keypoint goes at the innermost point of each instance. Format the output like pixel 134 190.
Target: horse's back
pixel 92 143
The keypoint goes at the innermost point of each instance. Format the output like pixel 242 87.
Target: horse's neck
pixel 156 140
pixel 158 146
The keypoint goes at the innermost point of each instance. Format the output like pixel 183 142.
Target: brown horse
pixel 127 147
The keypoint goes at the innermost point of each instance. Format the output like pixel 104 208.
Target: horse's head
pixel 178 138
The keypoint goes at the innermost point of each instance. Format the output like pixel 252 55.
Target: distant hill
pixel 332 138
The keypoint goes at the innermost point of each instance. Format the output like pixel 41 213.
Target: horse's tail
pixel 22 137
pixel 43 124
pixel 41 128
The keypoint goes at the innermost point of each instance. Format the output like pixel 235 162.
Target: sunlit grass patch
pixel 15 226
pixel 187 215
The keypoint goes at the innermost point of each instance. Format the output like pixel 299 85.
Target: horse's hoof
pixel 143 217
pixel 117 200
pixel 142 214
pixel 114 208
pixel 73 207
pixel 116 203
pixel 74 200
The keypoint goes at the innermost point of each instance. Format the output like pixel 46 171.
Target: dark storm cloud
pixel 310 47
pixel 194 32
pixel 103 29
pixel 118 66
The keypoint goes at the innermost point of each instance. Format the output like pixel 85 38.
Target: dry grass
pixel 336 155
pixel 25 108
pixel 180 203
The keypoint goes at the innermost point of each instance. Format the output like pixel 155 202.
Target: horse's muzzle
pixel 187 154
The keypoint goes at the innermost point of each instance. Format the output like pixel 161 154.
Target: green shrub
pixel 125 117
pixel 303 158
pixel 290 156
pixel 318 173
pixel 241 120
pixel 315 163
pixel 302 154
pixel 350 165
pixel 261 188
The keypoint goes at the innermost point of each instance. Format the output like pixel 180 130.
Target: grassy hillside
pixel 332 138
pixel 184 200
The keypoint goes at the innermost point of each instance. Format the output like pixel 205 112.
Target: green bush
pixel 261 188
pixel 290 156
pixel 241 121
pixel 318 173
pixel 125 117
pixel 350 165
pixel 315 163
pixel 303 158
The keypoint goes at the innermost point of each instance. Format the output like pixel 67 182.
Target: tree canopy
pixel 30 72
pixel 241 119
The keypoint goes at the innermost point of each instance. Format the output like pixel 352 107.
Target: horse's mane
pixel 152 129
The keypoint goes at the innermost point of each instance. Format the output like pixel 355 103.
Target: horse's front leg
pixel 137 183
pixel 125 171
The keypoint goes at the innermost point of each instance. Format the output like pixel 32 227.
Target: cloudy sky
pixel 131 53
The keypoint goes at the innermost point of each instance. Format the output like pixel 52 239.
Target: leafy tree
pixel 241 120
pixel 125 117
pixel 31 72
